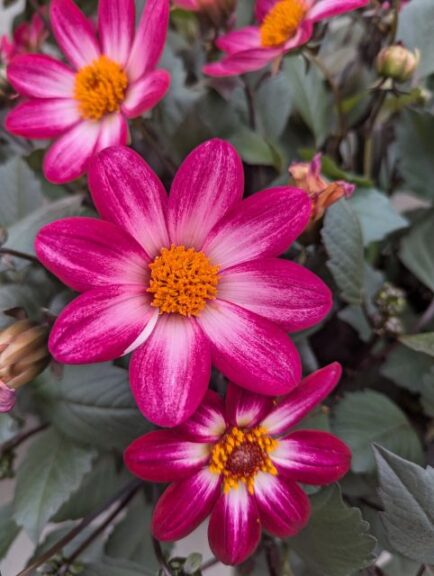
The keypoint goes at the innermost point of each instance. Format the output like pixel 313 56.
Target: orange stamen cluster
pixel 100 88
pixel 241 455
pixel 282 22
pixel 182 281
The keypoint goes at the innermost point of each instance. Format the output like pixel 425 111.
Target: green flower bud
pixel 397 62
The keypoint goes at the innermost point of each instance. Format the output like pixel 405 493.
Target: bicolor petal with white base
pixel 110 78
pixel 227 464
pixel 184 281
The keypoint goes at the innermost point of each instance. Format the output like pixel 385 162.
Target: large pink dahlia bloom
pixel 112 78
pixel 282 26
pixel 239 462
pixel 184 281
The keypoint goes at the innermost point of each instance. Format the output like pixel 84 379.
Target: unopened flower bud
pixel 23 355
pixel 390 300
pixel 397 62
pixel 393 327
pixel 307 176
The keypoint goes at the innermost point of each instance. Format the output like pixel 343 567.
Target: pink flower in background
pixel 282 26
pixel 213 6
pixel 237 462
pixel 184 281
pixel 112 78
pixel 27 37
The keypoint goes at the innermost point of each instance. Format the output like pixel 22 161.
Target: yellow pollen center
pixel 182 280
pixel 241 455
pixel 282 22
pixel 100 88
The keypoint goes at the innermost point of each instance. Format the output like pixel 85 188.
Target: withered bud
pixel 23 355
pixel 397 62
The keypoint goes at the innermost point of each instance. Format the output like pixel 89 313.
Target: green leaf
pixel 427 394
pixel 420 342
pixel 8 529
pixel 115 567
pixel 356 318
pixel 416 150
pixel 417 254
pixel 342 237
pixel 407 493
pixel 376 214
pixel 336 542
pixel 273 105
pixel 51 471
pixel 254 149
pixel 92 404
pixel 309 97
pixel 20 193
pixel 407 368
pixel 415 30
pixel 9 427
pixel 364 418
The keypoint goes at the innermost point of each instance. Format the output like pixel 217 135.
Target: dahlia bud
pixel 307 176
pixel 390 300
pixel 23 355
pixel 397 62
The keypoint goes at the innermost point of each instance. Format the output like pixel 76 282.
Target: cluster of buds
pixel 218 11
pixel 323 193
pixel 58 566
pixel 23 355
pixel 391 303
pixel 397 62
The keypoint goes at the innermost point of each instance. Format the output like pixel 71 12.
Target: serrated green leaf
pixel 420 342
pixel 336 542
pixel 364 418
pixel 92 404
pixel 51 471
pixel 376 214
pixel 407 368
pixel 8 529
pixel 342 237
pixel 415 30
pixel 407 493
pixel 417 253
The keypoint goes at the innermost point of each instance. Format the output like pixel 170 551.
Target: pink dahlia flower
pixel 237 461
pixel 112 78
pixel 27 37
pixel 282 26
pixel 184 281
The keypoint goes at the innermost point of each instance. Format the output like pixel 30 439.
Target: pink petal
pixel 302 36
pixel 281 291
pixel 262 8
pixel 264 224
pixel 73 32
pixel 170 373
pixel 234 529
pixel 209 182
pixel 187 4
pixel 145 93
pixel 126 191
pixel 312 457
pixel 164 456
pixel 243 62
pixel 312 390
pixel 86 253
pixel 239 40
pixel 100 324
pixel 208 422
pixel 185 505
pixel 8 398
pixel 116 27
pixel 43 118
pixel 283 506
pixel 69 156
pixel 113 132
pixel 245 409
pixel 249 350
pixel 150 39
pixel 329 8
pixel 40 76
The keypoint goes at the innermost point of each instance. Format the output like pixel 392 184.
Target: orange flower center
pixel 182 281
pixel 100 88
pixel 241 455
pixel 282 22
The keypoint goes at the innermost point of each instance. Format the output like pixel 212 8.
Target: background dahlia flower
pixel 184 281
pixel 236 461
pixel 112 78
pixel 27 37
pixel 282 25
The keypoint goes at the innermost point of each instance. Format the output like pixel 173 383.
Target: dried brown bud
pixel 397 62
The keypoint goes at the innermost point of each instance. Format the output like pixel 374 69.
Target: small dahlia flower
pixel 112 78
pixel 239 462
pixel 282 26
pixel 184 281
